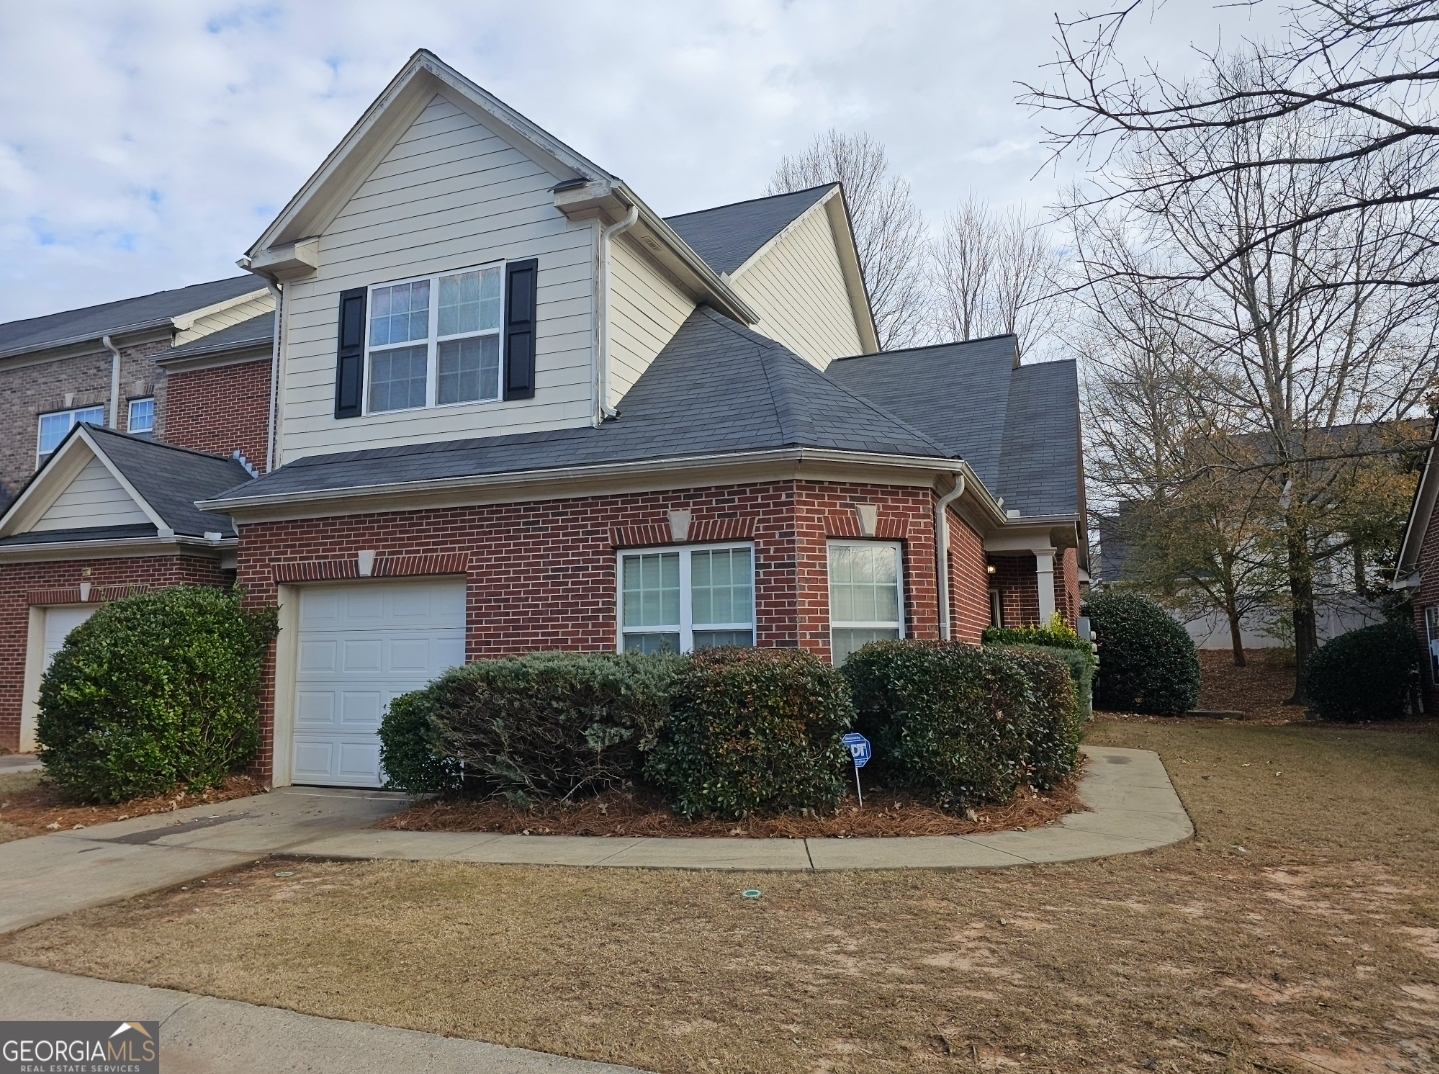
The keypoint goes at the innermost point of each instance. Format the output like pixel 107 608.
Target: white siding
pixel 449 194
pixel 646 310
pixel 797 287
pixel 213 322
pixel 94 498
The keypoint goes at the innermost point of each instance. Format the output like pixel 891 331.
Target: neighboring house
pixel 514 409
pixel 1417 572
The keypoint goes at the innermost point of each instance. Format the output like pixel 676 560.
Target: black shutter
pixel 520 279
pixel 350 359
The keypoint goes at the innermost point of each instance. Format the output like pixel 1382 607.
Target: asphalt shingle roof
pixel 716 388
pixel 171 479
pixel 1018 427
pixel 251 333
pixel 92 322
pixel 727 236
pixel 90 533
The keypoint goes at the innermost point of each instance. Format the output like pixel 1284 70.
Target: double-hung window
pixel 435 341
pixel 681 599
pixel 53 428
pixel 866 594
pixel 142 417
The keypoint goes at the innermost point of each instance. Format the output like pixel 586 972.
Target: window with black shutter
pixel 520 286
pixel 350 357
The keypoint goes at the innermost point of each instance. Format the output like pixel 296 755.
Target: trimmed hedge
pixel 1366 674
pixel 1056 636
pixel 751 730
pixel 1081 665
pixel 964 725
pixel 410 750
pixel 153 691
pixel 1147 661
pixel 546 725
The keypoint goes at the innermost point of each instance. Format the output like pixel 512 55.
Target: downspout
pixel 114 381
pixel 941 549
pixel 603 409
pixel 278 294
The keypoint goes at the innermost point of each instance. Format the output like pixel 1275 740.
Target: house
pixel 1417 570
pixel 515 409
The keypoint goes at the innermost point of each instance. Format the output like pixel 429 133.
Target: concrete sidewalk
pixel 203 1035
pixel 48 875
pixel 10 763
pixel 1133 807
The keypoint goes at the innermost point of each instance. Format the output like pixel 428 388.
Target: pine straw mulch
pixel 623 813
pixel 41 807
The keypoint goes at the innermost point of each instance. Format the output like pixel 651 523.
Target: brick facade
pixel 1427 596
pixel 1015 579
pixel 29 389
pixel 968 582
pixel 23 585
pixel 221 409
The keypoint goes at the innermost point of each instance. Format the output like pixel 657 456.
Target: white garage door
pixel 359 647
pixel 58 624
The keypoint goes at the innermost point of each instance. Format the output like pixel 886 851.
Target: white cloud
pixel 145 145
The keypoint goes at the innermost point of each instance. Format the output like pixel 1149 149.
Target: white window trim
pixel 432 341
pixel 686 624
pixel 41 456
pixel 1430 613
pixel 898 586
pixel 130 414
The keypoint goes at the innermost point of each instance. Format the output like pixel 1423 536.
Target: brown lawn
pixel 1298 932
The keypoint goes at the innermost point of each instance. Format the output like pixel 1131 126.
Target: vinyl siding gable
pixel 797 287
pixel 93 498
pixel 646 310
pixel 450 194
pixel 230 315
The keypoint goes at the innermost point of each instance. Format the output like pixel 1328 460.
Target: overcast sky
pixel 145 145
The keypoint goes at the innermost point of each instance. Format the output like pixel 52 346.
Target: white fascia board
pixel 185 321
pixel 774 240
pixel 123 547
pixel 1421 512
pixel 64 463
pixel 332 185
pixel 229 354
pixel 570 481
pixel 140 501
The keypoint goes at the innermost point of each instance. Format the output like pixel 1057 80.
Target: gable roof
pixel 729 235
pixel 717 388
pixel 256 332
pixel 1017 426
pixel 164 481
pixel 126 315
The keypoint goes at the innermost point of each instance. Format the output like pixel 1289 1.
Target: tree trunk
pixel 1236 638
pixel 1301 593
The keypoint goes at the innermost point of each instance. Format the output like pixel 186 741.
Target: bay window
pixel 434 341
pixel 866 595
pixel 679 599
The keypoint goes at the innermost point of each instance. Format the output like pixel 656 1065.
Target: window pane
pixel 95 415
pixel 709 639
pixel 863 584
pixel 652 591
pixel 399 313
pixel 652 643
pixel 53 428
pixel 397 379
pixel 720 586
pixel 142 416
pixel 469 370
pixel 847 639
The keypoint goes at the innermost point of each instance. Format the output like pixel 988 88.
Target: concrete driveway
pixel 48 875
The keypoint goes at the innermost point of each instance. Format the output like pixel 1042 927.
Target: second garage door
pixel 359 647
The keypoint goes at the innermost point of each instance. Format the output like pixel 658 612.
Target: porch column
pixel 1044 577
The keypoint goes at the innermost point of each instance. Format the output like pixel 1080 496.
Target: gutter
pixel 115 545
pixel 114 381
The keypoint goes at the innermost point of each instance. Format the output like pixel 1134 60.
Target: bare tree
pixel 888 228
pixel 992 273
pixel 1293 342
pixel 1362 71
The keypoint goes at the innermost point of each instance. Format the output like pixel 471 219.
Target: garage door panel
pixel 360 647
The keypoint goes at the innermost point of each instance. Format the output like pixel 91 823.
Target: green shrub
pixel 1147 661
pixel 1081 665
pixel 153 691
pixel 753 730
pixel 548 725
pixel 1056 634
pixel 1366 674
pixel 964 725
pixel 410 751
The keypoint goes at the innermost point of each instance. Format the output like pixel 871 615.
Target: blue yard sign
pixel 860 753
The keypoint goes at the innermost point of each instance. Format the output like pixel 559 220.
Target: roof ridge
pixel 937 346
pixel 752 201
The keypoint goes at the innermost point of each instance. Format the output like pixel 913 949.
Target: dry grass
pixel 30 806
pixel 885 813
pixel 1318 939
